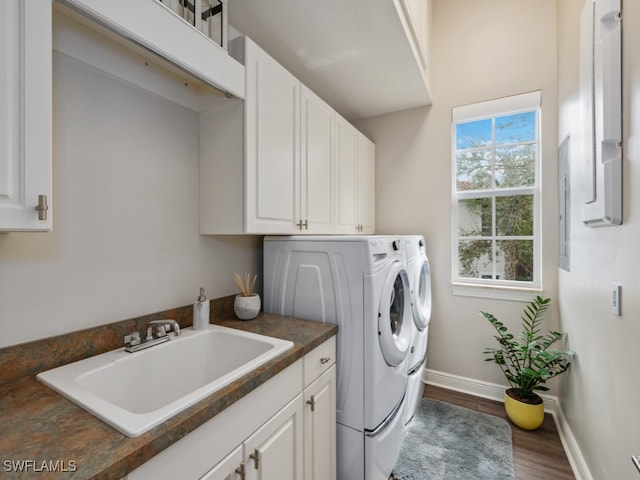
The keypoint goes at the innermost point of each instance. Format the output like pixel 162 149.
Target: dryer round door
pixel 394 315
pixel 422 295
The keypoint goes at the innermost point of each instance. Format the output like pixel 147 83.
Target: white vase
pixel 247 308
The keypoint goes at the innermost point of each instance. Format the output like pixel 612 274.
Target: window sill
pixel 516 294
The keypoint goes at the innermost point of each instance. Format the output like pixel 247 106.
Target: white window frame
pixel 479 287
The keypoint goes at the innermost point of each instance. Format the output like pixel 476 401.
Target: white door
pixel 316 164
pixel 347 175
pixel 25 114
pixel 320 428
pixel 272 119
pixel 394 315
pixel 230 468
pixel 274 452
pixel 366 185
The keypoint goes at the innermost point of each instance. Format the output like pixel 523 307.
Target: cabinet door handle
pixel 241 471
pixel 303 225
pixel 42 207
pixel 312 402
pixel 255 456
pixel 324 360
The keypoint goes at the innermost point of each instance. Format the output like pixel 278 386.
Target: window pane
pixel 515 260
pixel 516 128
pixel 515 166
pixel 473 134
pixel 474 258
pixel 473 170
pixel 474 217
pixel 514 215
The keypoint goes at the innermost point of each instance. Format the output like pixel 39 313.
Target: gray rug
pixel 447 442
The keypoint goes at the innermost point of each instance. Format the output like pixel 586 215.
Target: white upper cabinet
pixel 288 153
pixel 316 164
pixel 346 177
pixel 281 147
pixel 25 115
pixel 355 166
pixel 272 144
pixel 366 185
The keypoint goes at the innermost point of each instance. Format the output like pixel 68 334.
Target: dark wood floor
pixel 537 455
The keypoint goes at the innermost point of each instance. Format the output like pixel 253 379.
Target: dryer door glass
pixel 396 310
pixel 394 315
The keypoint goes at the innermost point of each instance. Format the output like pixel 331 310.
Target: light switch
pixel 616 304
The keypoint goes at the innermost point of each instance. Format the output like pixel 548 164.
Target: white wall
pixel 600 396
pixel 125 240
pixel 480 51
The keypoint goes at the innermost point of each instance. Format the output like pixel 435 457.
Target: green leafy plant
pixel 528 361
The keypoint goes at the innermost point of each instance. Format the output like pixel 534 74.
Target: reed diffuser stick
pixel 245 285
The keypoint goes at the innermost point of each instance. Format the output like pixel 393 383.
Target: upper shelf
pixel 151 25
pixel 363 57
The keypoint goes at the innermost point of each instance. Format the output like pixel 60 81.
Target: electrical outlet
pixel 616 304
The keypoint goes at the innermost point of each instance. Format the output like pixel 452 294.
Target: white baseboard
pixel 493 391
pixel 571 447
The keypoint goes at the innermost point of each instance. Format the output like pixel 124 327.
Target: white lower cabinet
pixel 230 468
pixel 320 428
pixel 320 412
pixel 283 430
pixel 274 451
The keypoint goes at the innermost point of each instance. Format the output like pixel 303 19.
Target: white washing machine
pixel 360 283
pixel 420 284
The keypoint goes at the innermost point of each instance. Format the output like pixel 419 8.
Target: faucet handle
pixel 168 324
pixel 132 339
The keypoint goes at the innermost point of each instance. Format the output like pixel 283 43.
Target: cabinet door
pixel 274 452
pixel 272 156
pixel 346 176
pixel 230 468
pixel 366 185
pixel 25 113
pixel 320 428
pixel 316 163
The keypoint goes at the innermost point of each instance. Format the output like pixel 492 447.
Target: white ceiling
pixel 352 53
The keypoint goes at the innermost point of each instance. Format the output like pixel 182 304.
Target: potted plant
pixel 527 363
pixel 246 304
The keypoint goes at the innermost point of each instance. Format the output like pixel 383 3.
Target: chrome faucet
pixel 134 342
pixel 163 326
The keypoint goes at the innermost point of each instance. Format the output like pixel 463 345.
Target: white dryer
pixel 420 283
pixel 360 283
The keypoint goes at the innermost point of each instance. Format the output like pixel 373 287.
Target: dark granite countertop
pixel 47 436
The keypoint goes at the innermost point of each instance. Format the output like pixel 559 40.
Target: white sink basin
pixel 134 392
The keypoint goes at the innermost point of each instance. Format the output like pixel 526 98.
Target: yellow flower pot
pixel 525 415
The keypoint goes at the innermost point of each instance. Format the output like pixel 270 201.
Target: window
pixel 496 150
